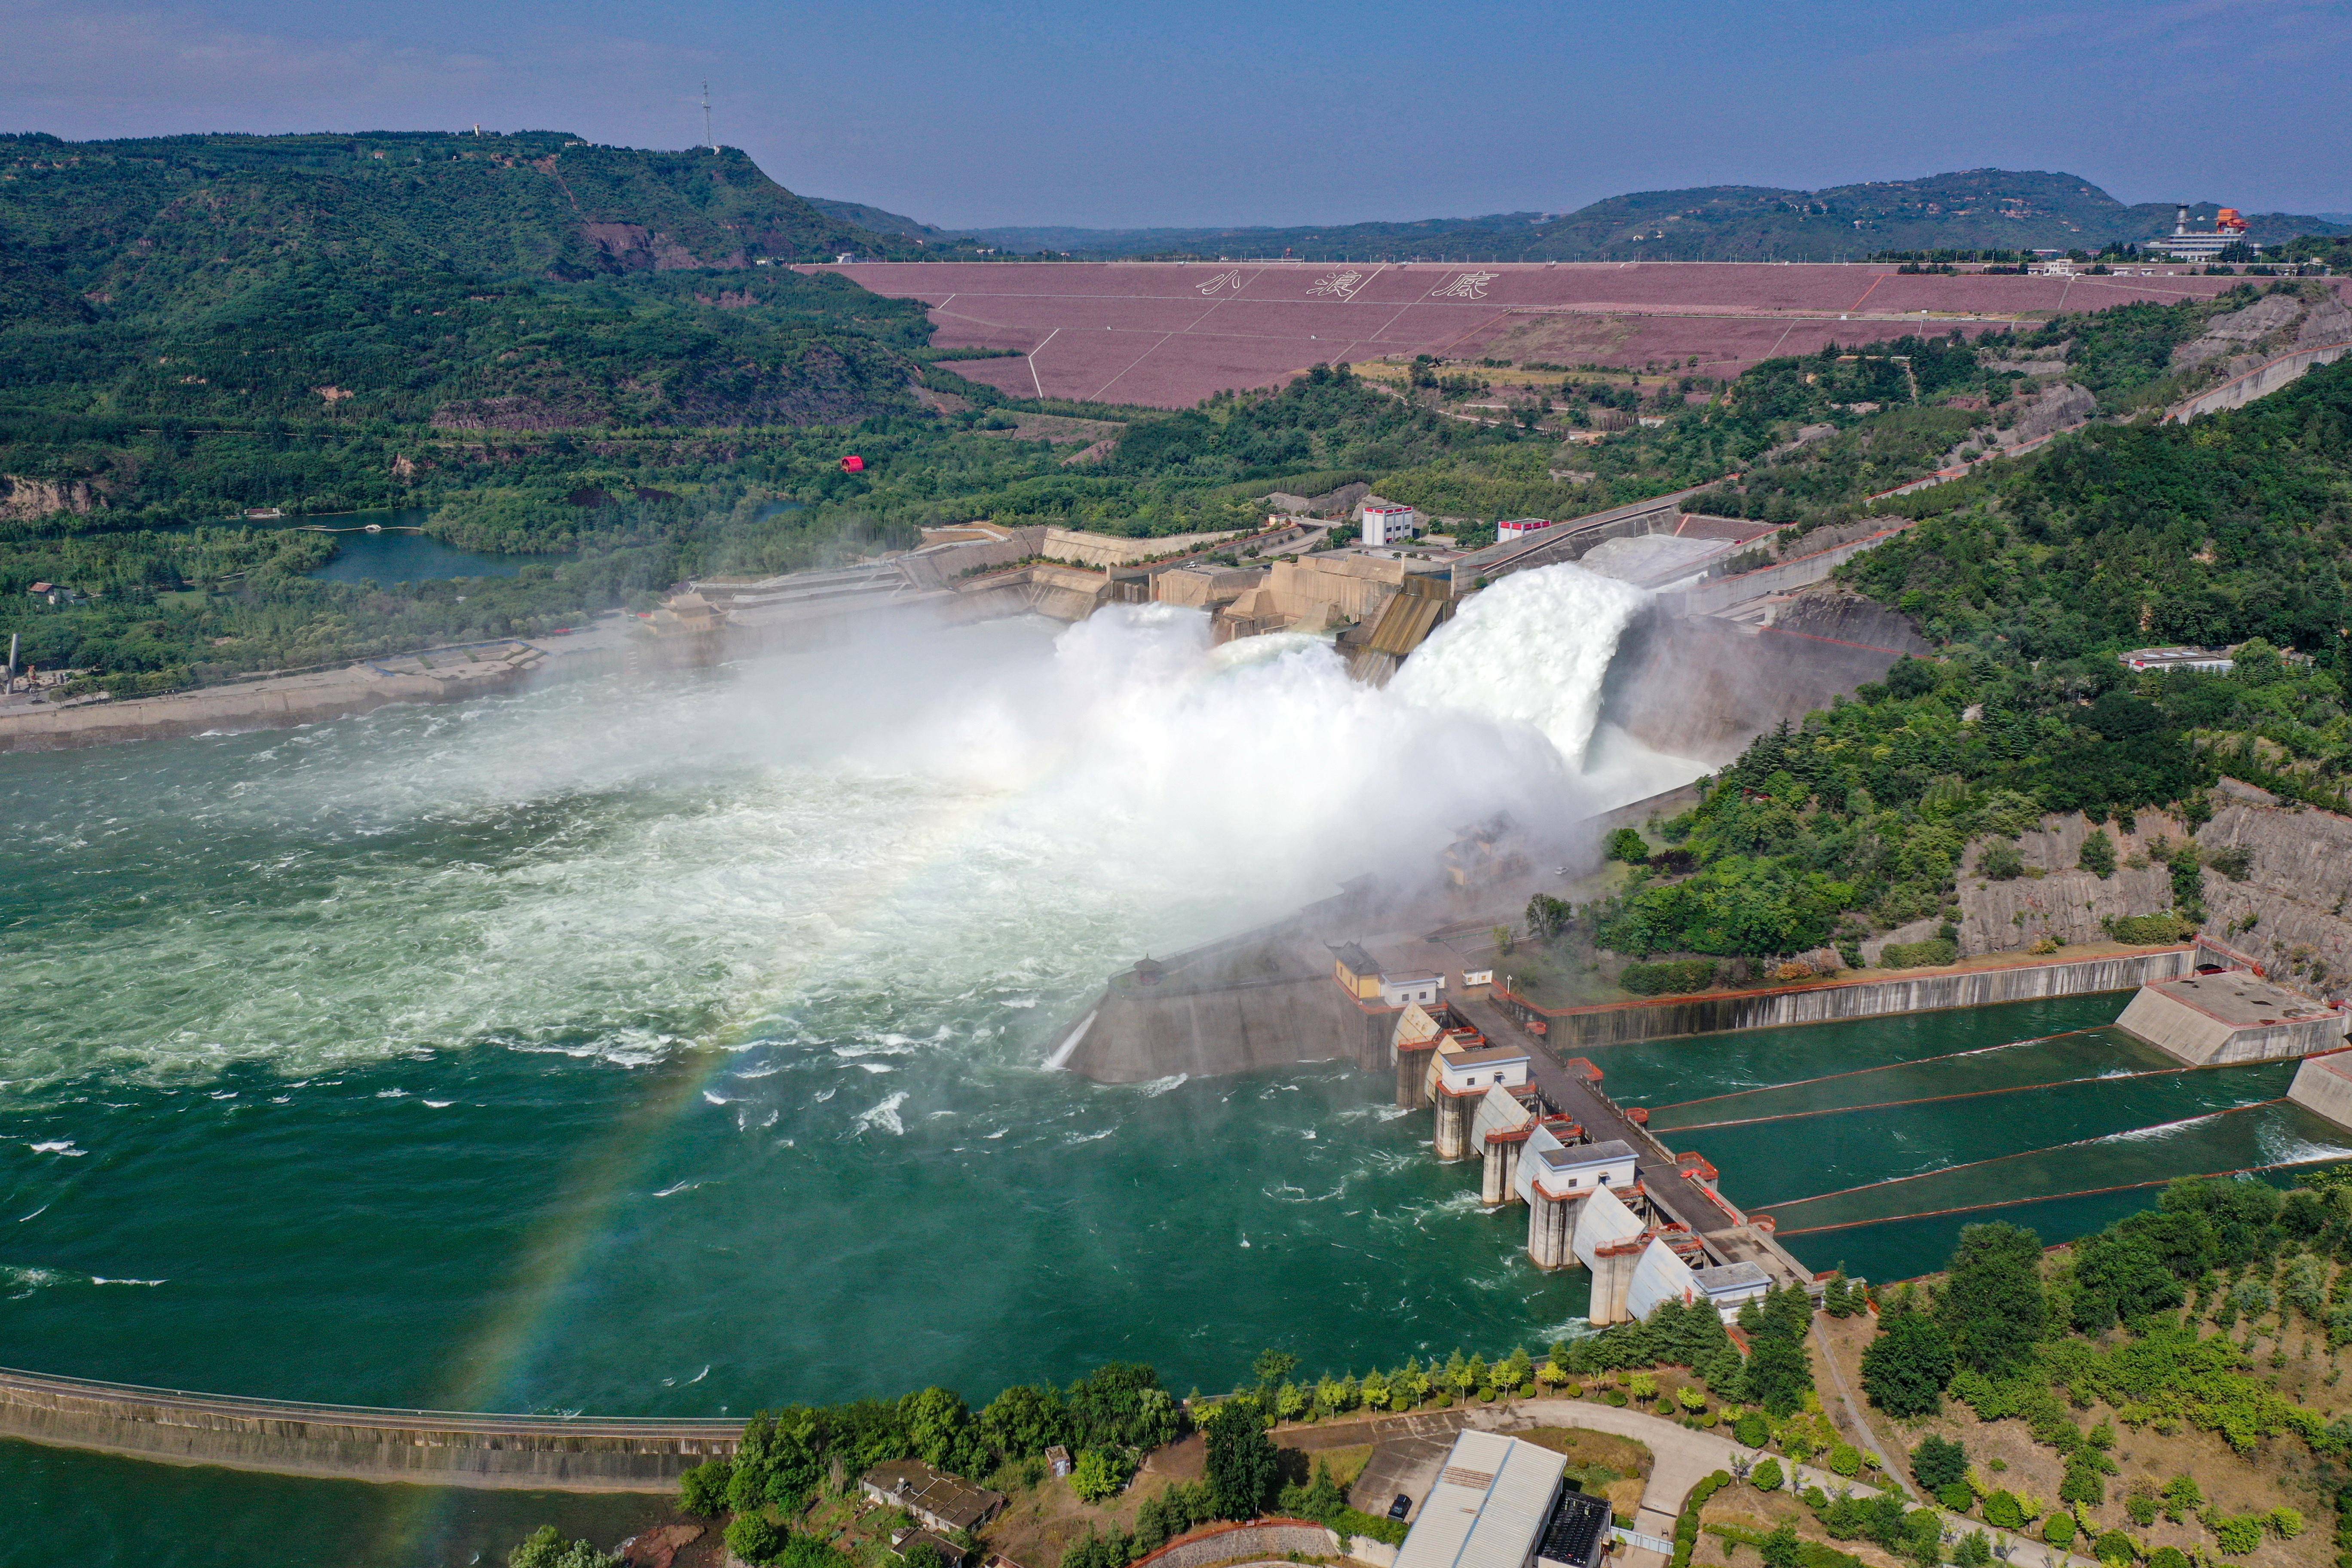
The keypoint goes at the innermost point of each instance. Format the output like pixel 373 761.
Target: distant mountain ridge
pixel 1976 209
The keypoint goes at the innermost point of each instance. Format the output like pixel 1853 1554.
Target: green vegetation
pixel 546 1548
pixel 2228 530
pixel 2036 1340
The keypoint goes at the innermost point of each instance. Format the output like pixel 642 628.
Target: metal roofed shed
pixel 1489 1508
pixel 1577 1533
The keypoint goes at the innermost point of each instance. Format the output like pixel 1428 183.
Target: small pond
pixel 392 556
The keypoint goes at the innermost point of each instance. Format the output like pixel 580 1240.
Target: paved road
pixel 1682 1457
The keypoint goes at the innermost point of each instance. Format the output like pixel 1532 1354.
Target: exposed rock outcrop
pixel 511 412
pixel 2330 321
pixel 23 500
pixel 2066 404
pixel 2297 891
pixel 2062 902
pixel 2237 330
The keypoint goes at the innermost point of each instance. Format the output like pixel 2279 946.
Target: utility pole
pixel 706 119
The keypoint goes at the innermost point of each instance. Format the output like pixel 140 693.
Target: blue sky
pixel 1145 112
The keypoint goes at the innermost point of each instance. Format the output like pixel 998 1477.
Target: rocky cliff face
pixel 2297 893
pixel 2064 903
pixel 2291 914
pixel 27 500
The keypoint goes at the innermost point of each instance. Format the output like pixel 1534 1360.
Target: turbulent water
pixel 679 1048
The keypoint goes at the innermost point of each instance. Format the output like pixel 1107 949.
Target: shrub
pixel 2001 862
pixel 1642 1385
pixel 1752 1429
pixel 754 1539
pixel 2058 1530
pixel 2234 863
pixel 2099 856
pixel 1932 953
pixel 1100 1474
pixel 2168 1557
pixel 1845 1459
pixel 1959 1497
pixel 1937 1462
pixel 2148 930
pixel 1690 1399
pixel 1767 1477
pixel 2142 1508
pixel 2000 1510
pixel 1664 979
pixel 703 1490
pixel 1615 1397
pixel 2114 1546
pixel 1816 1499
pixel 1628 845
pixel 2237 1534
pixel 546 1548
pixel 2288 1522
pixel 1974 1550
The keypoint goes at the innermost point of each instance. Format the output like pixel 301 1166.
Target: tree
pixel 1974 1550
pixel 1241 1464
pixel 1025 1420
pixel 1627 844
pixel 2098 853
pixel 546 1548
pixel 1779 1377
pixel 1781 1548
pixel 1992 1305
pixel 1906 1368
pixel 703 1488
pixel 1752 1429
pixel 1767 1477
pixel 1937 1462
pixel 2120 1274
pixel 1120 1404
pixel 751 1537
pixel 1271 1367
pixel 939 1424
pixel 1099 1474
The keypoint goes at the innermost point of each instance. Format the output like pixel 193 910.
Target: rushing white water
pixel 965 827
pixel 1531 650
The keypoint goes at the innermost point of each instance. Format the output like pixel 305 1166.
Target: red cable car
pixel 853 463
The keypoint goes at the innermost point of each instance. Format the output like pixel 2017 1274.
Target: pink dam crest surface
pixel 1167 334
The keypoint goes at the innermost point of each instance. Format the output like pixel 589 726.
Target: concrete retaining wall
pixel 2322 1086
pixel 284 1437
pixel 1624 1022
pixel 2180 1029
pixel 1234 1542
pixel 2259 382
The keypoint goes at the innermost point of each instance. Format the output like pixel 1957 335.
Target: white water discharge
pixel 1530 650
pixel 951 825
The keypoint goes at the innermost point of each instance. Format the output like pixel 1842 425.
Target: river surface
pixel 678 1050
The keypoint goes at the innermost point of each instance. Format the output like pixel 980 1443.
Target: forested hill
pixel 521 283
pixel 1978 209
pixel 117 219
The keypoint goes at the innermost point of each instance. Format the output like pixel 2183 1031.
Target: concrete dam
pixel 539 1453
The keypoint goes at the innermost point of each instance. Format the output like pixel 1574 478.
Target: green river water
pixel 678 1051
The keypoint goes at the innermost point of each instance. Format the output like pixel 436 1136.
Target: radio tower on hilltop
pixel 706 119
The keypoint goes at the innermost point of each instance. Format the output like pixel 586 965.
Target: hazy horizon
pixel 1051 115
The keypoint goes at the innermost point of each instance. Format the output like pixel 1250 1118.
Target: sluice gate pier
pixel 1601 1190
